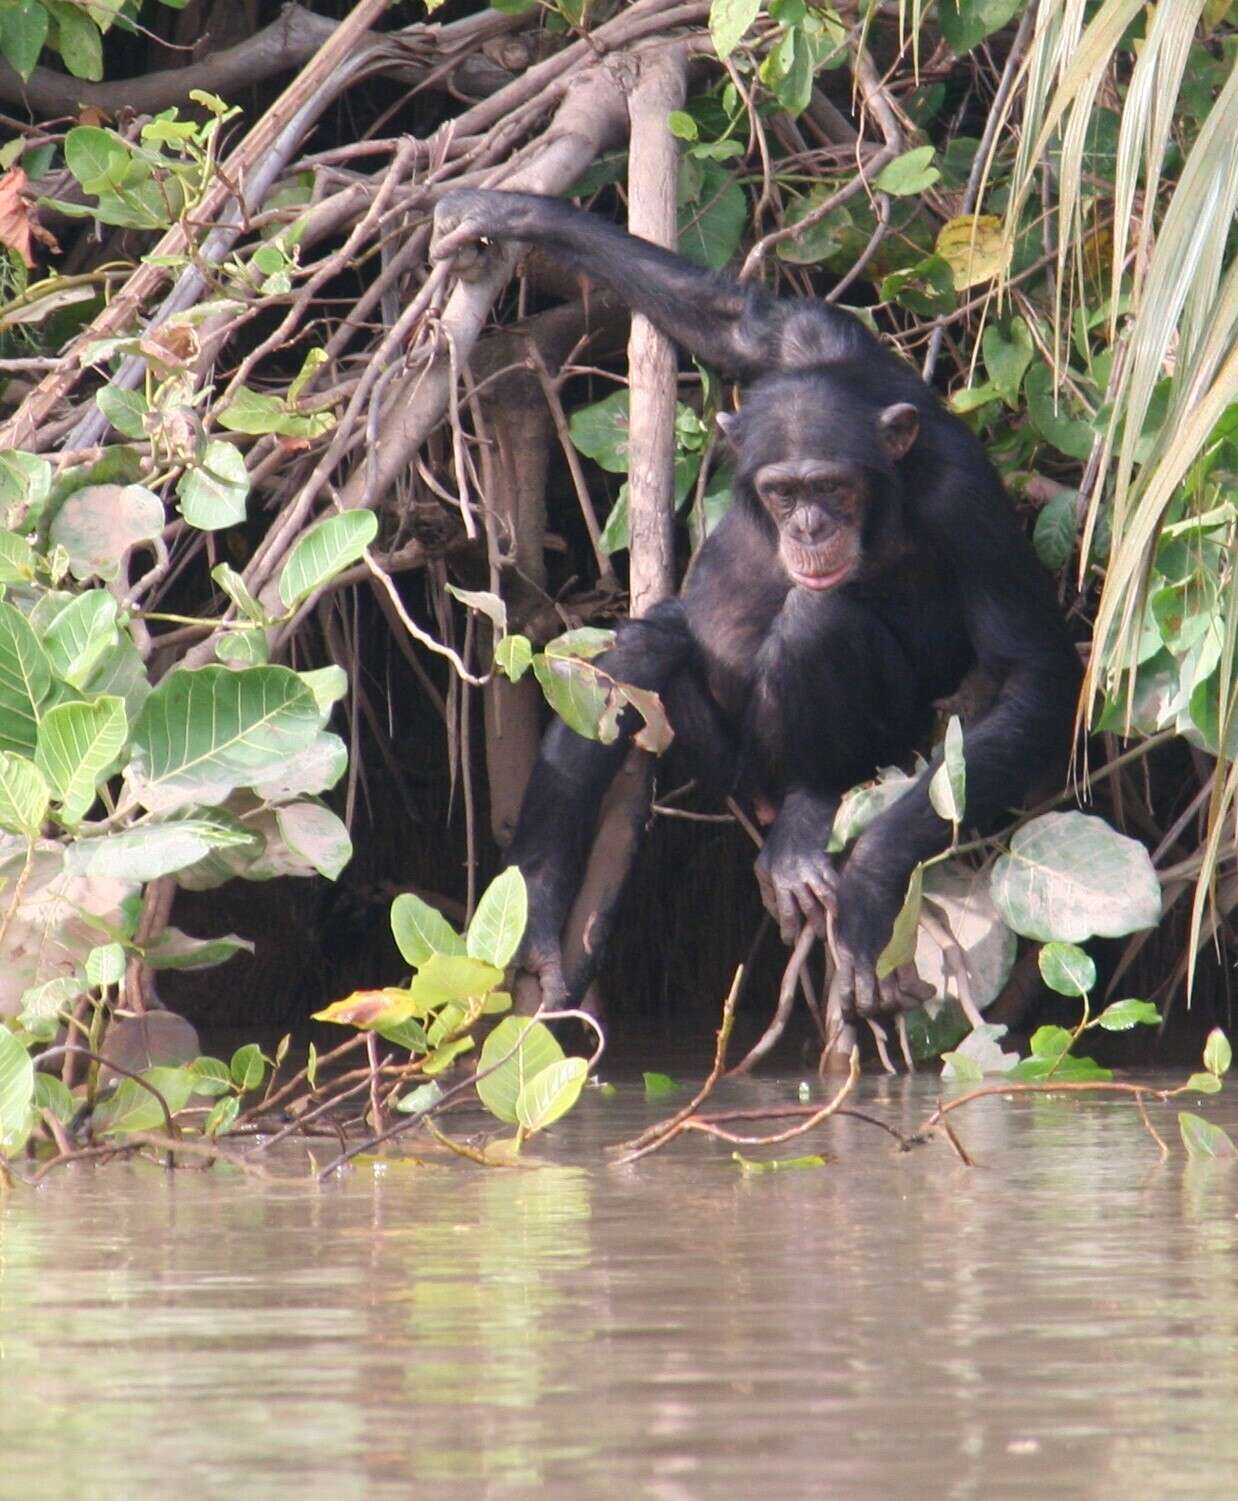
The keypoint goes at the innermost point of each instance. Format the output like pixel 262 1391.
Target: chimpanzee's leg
pixel 560 810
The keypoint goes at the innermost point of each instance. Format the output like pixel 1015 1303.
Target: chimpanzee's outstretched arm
pixel 740 330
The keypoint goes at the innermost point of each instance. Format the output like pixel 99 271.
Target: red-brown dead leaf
pixel 19 227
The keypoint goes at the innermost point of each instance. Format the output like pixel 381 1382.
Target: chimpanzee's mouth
pixel 824 580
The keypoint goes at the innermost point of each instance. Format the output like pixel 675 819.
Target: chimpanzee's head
pixel 819 460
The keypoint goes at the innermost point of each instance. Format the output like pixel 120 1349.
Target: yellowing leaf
pixel 973 248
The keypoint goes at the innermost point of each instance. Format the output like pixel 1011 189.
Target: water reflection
pixel 1059 1320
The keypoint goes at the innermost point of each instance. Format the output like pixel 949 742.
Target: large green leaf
pixel 498 924
pixel 317 835
pixel 420 930
pixel 23 30
pixel 203 732
pixel 157 849
pixel 79 745
pixel 728 21
pixel 81 635
pixel 23 795
pixel 16 1092
pixel 134 1108
pixel 213 491
pixel 535 1049
pixel 324 551
pixel 1072 877
pixel 551 1093
pixel 25 681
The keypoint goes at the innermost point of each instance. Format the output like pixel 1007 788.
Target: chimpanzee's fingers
pixel 789 919
pixel 916 990
pixel 811 906
pixel 864 988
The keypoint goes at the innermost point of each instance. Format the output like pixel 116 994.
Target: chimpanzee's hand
pixel 864 924
pixel 798 881
pixel 466 221
pixel 544 961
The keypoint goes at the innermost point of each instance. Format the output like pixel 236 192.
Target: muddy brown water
pixel 1060 1320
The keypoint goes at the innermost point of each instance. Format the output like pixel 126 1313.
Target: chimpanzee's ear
pixel 727 425
pixel 898 427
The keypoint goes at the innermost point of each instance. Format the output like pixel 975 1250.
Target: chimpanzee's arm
pixel 1019 636
pixel 740 330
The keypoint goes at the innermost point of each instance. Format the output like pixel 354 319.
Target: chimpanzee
pixel 871 559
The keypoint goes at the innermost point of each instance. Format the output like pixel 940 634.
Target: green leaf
pixel 24 796
pixel 18 560
pixel 1050 414
pixel 573 690
pixel 157 849
pixel 25 681
pixel 317 835
pixel 99 524
pixel 81 636
pixel 729 21
pixel 486 603
pixel 234 586
pixel 328 685
pixel 444 978
pixel 133 1108
pixel 751 1168
pixel 1054 533
pixel 1204 1084
pixel 1218 1055
pixel 1068 1069
pixel 323 551
pixel 1051 1042
pixel 125 410
pixel 1007 358
pixel 682 126
pixel 23 32
pixel 1121 1016
pixel 418 1101
pixel 966 23
pixel 1066 969
pixel 959 1069
pixel 79 746
pixel 248 1067
pixel 513 656
pixel 1071 877
pixel 948 786
pixel 600 432
pixel 980 1050
pixel 657 1084
pixel 213 492
pixel 16 1093
pixel 174 949
pixel 223 1113
pixel 25 481
pixel 105 965
pixel 712 219
pixel 1202 1139
pixel 314 770
pixel 535 1049
pixel 908 174
pixel 205 731
pixel 80 44
pixel 551 1093
pixel 901 948
pixel 211 1076
pixel 421 932
pixel 51 1094
pixel 90 152
pixel 499 922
